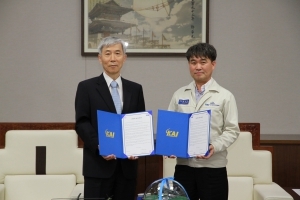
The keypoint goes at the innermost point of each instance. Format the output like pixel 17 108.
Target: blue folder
pixel 110 134
pixel 173 133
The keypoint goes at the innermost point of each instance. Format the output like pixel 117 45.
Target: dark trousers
pixel 116 187
pixel 203 183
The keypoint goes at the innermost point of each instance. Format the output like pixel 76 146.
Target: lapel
pixel 203 99
pixel 105 94
pixel 127 94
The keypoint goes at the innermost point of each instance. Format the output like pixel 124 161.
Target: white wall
pixel 258 44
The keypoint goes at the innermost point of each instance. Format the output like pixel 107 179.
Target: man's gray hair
pixel 108 41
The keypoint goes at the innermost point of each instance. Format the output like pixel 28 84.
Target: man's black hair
pixel 202 50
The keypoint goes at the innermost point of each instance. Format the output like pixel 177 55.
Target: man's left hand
pixel 211 152
pixel 133 157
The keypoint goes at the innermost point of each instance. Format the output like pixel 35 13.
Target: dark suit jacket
pixel 92 95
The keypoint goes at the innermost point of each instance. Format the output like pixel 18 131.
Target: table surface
pixel 292 192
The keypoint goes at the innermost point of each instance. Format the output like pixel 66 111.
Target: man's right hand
pixel 171 156
pixel 110 157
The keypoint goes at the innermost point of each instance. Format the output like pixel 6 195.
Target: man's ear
pixel 214 63
pixel 100 58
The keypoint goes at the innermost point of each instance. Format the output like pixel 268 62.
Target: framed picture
pixel 149 27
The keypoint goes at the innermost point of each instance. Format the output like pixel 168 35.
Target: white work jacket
pixel 224 128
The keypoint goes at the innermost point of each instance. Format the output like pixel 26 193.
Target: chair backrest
pixel 43 152
pixel 244 161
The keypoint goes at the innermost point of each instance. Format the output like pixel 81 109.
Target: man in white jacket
pixel 205 177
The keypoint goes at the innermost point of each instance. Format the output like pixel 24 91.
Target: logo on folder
pixel 109 134
pixel 171 133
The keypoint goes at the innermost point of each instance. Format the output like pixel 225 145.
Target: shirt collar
pixel 205 86
pixel 109 80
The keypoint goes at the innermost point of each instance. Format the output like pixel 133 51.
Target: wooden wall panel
pixel 286 154
pixel 286 162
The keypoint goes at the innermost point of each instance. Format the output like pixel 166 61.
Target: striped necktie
pixel 116 97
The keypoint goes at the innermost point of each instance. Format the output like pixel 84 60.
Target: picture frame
pixel 148 27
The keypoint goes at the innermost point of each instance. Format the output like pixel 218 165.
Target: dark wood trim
pixel 286 142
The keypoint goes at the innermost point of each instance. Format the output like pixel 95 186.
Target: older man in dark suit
pixel 106 176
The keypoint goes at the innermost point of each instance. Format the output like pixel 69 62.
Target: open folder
pixel 125 135
pixel 183 134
